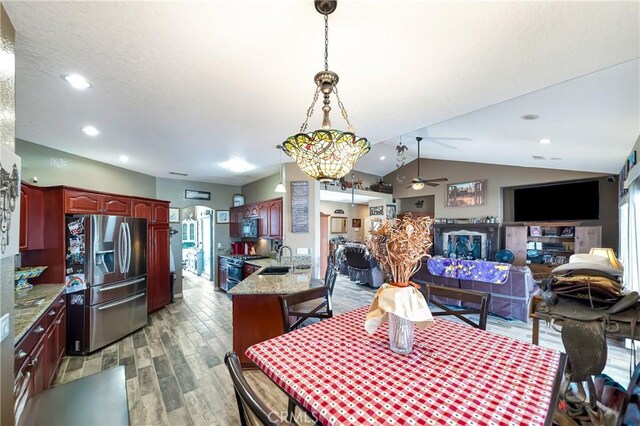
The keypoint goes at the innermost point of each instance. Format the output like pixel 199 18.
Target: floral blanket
pixel 476 270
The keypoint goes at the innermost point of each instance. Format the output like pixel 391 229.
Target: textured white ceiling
pixel 593 122
pixel 185 86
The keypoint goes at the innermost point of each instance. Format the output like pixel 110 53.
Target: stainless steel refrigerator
pixel 106 280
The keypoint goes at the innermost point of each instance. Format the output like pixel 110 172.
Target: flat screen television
pixel 568 201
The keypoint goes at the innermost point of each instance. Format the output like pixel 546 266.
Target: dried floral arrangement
pixel 398 245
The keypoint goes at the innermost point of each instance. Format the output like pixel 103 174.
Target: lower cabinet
pixel 38 355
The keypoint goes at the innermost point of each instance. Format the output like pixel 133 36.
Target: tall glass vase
pixel 400 334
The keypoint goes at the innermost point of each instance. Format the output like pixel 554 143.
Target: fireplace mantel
pixel 491 229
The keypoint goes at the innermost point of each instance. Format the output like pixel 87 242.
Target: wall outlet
pixel 303 251
pixel 219 245
pixel 4 327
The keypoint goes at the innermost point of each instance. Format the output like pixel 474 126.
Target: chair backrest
pixel 466 297
pixel 288 301
pixel 356 258
pixel 248 402
pixel 330 275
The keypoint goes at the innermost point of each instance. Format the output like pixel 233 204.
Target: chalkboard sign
pixel 300 206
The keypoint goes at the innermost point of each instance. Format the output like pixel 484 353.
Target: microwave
pixel 250 228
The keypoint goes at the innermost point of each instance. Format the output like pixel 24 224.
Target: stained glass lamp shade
pixel 326 155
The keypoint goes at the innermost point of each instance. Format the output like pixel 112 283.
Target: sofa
pixel 508 300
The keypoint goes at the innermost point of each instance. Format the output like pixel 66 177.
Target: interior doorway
pixel 197 231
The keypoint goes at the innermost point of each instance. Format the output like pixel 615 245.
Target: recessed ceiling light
pixel 91 131
pixel 382 157
pixel 530 117
pixel 237 165
pixel 123 158
pixel 545 141
pixel 77 81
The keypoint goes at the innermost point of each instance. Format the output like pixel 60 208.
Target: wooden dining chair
pixel 312 303
pixel 466 297
pixel 249 405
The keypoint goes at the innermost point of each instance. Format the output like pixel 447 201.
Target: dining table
pixel 455 375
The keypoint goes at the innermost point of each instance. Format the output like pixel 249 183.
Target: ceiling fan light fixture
pixel 326 154
pixel 417 185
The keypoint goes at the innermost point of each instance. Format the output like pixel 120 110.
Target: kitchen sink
pixel 275 270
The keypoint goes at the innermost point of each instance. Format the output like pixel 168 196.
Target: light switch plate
pixel 4 327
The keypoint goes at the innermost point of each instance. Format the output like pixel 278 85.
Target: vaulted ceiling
pixel 187 86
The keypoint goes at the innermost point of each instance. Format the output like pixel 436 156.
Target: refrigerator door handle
pixel 128 283
pixel 129 239
pixel 120 302
pixel 121 248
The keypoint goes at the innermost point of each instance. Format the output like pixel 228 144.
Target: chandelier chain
pixel 303 128
pixel 326 42
pixel 343 110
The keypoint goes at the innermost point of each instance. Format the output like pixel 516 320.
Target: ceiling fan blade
pixel 431 184
pixel 436 180
pixel 446 145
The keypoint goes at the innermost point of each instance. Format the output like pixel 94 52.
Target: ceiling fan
pixel 418 183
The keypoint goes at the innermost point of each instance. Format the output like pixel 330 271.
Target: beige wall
pixel 497 177
pixel 54 167
pixel 221 198
pixel 7 140
pixel 261 190
pixel 358 211
pixel 409 204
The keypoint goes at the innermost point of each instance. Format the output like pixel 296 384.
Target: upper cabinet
pixel 268 213
pixel 275 218
pixel 31 218
pixel 156 212
pixel 83 202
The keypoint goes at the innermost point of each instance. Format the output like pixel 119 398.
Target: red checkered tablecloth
pixel 455 375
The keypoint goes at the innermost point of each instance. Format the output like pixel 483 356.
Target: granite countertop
pixel 30 304
pixel 272 284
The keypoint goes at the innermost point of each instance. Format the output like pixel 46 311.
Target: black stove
pixel 249 257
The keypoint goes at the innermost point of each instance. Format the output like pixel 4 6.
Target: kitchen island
pixel 256 305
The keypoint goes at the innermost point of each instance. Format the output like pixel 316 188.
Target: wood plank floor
pixel 175 370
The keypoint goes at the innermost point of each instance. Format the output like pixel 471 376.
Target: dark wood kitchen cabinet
pixel 275 218
pixel 268 213
pixel 263 220
pixel 86 202
pixel 38 354
pixel 31 217
pixel 158 279
pixel 236 216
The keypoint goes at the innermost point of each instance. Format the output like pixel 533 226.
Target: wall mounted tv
pixel 569 201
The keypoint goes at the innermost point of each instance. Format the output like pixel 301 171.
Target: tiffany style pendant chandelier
pixel 326 154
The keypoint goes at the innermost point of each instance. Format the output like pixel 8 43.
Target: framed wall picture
pixel 356 223
pixel 222 216
pixel 192 194
pixel 467 194
pixel 174 215
pixel 376 211
pixel 10 164
pixel 391 211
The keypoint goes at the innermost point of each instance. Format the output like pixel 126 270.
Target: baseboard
pixel 177 295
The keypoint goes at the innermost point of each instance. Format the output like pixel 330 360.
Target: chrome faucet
pixel 279 256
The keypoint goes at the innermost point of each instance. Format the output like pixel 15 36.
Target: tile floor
pixel 175 370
